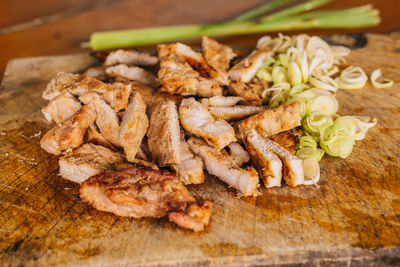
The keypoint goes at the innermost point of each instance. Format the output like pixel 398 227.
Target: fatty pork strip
pixel 224 101
pixel 288 139
pixel 134 125
pixel 94 136
pixel 236 112
pixel 268 165
pixel 292 166
pixel 61 107
pixel 219 163
pixel 250 92
pixel 118 96
pixel 163 135
pixel 238 153
pixel 123 72
pixel 86 161
pixel 139 192
pixel 130 57
pixel 246 69
pixel 272 121
pixel 178 77
pixel 197 120
pixel 195 217
pixel 217 55
pixel 70 133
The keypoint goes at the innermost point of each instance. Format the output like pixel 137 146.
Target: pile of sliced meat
pixel 118 124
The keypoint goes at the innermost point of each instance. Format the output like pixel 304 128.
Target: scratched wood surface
pixel 350 217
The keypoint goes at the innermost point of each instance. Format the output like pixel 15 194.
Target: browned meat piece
pixel 250 92
pixel 95 137
pixel 107 120
pixel 122 72
pixel 161 97
pixel 59 83
pixel 130 57
pixel 70 133
pixel 292 166
pixel 288 139
pixel 61 107
pixel 179 78
pixel 145 91
pixel 86 161
pixel 88 84
pixel 224 101
pixel 136 162
pixel 195 217
pixel 235 112
pixel 238 153
pixel 246 69
pixel 217 55
pixel 133 126
pixel 190 170
pixel 118 97
pixel 136 192
pixel 272 121
pixel 98 73
pixel 219 163
pixel 268 165
pixel 198 121
pixel 143 152
pixel 163 135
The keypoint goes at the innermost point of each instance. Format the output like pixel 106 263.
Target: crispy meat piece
pixel 118 97
pixel 198 121
pixel 136 192
pixel 86 161
pixel 246 69
pixel 61 107
pixel 288 139
pixel 224 101
pixel 130 57
pixel 236 112
pixel 250 92
pixel 292 166
pixel 145 91
pixel 94 136
pixel 219 163
pixel 133 126
pixel 98 73
pixel 268 165
pixel 272 121
pixel 59 83
pixel 217 55
pixel 195 217
pixel 106 120
pixel 123 72
pixel 238 153
pixel 163 135
pixel 70 133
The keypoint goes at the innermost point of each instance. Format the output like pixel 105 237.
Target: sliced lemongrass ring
pixel 311 170
pixel 384 84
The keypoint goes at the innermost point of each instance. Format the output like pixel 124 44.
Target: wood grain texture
pixel 350 218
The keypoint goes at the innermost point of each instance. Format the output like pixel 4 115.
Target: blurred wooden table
pixel 45 27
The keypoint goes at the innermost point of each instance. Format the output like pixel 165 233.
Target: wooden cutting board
pixel 350 217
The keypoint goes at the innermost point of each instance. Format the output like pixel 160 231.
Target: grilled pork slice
pixel 246 69
pixel 133 126
pixel 94 136
pixel 288 139
pixel 86 161
pixel 98 73
pixel 190 170
pixel 130 57
pixel 122 72
pixel 179 78
pixel 219 163
pixel 292 165
pixel 136 192
pixel 145 91
pixel 224 101
pixel 238 153
pixel 198 121
pixel 250 92
pixel 59 83
pixel 268 165
pixel 236 112
pixel 106 120
pixel 272 121
pixel 217 55
pixel 118 97
pixel 61 107
pixel 143 152
pixel 70 133
pixel 195 217
pixel 163 135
